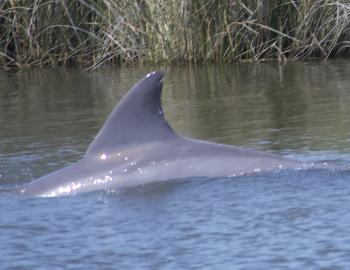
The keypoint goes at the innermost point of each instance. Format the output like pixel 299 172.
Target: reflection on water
pixel 289 220
pixel 292 106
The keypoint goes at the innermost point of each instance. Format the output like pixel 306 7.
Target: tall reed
pixel 94 32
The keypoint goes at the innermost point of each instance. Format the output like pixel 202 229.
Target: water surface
pixel 282 220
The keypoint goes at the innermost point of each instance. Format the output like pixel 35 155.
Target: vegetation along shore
pixel 94 32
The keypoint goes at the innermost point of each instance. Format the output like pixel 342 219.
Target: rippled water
pixel 282 220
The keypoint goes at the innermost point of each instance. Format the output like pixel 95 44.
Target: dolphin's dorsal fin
pixel 138 118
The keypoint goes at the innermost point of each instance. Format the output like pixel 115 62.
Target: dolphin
pixel 136 145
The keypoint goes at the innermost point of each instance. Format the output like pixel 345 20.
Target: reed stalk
pixel 95 32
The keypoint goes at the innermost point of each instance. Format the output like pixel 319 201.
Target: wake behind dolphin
pixel 136 145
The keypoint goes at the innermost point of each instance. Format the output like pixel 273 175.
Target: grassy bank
pixel 94 32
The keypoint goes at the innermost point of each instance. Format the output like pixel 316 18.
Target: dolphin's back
pixel 185 158
pixel 136 145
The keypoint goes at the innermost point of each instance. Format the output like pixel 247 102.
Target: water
pixel 282 220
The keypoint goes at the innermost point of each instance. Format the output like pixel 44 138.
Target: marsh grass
pixel 94 32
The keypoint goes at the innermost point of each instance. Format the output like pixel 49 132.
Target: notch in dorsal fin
pixel 138 118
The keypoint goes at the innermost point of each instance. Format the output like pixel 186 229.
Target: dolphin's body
pixel 136 145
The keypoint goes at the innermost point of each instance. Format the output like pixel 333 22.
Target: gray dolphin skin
pixel 136 145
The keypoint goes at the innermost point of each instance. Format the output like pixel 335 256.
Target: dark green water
pixel 286 220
